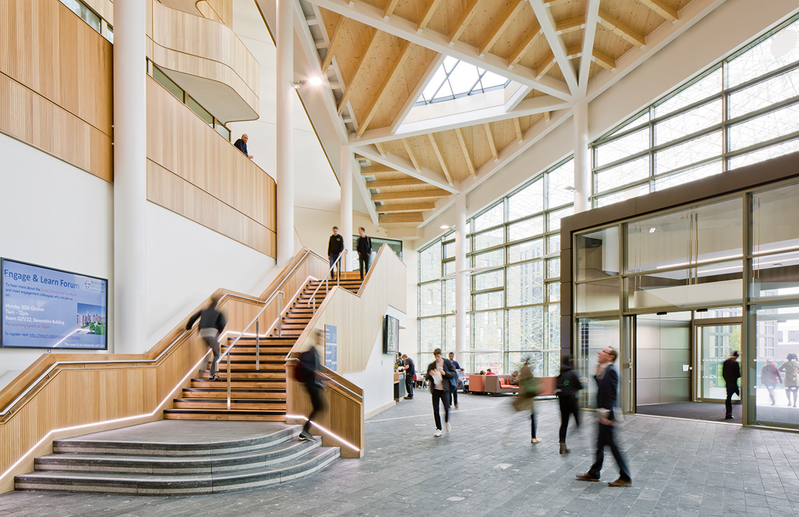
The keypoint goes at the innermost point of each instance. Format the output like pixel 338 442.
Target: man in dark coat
pixel 439 373
pixel 568 385
pixel 212 323
pixel 334 248
pixel 241 145
pixel 731 371
pixel 311 377
pixel 607 380
pixel 410 373
pixel 364 251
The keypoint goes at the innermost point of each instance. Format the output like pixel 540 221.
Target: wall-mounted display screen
pixel 390 335
pixel 49 308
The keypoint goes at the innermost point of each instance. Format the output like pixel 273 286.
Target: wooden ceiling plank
pixel 606 62
pixel 545 66
pixel 390 9
pixel 401 218
pixel 464 20
pixel 469 161
pixel 519 135
pixel 413 194
pixel 405 46
pixel 555 41
pixel 570 25
pixel 409 182
pixel 410 154
pixel 508 16
pixel 409 207
pixel 491 143
pixel 547 116
pixel 527 43
pixel 334 41
pixel 555 3
pixel 358 70
pixel 440 158
pixel 380 148
pixel 428 15
pixel 621 29
pixel 662 9
pixel 589 36
pixel 574 52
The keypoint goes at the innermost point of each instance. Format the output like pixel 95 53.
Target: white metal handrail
pixel 327 276
pixel 55 365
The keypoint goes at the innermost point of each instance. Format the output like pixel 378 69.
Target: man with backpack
pixel 308 372
pixel 568 385
pixel 212 323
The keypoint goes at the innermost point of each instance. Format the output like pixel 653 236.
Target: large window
pixel 513 254
pixel 740 111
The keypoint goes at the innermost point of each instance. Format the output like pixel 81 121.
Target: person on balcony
pixel 364 251
pixel 212 323
pixel 334 248
pixel 241 145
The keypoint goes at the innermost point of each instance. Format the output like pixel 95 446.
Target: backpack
pixel 300 372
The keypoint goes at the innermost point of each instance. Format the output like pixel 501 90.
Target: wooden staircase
pixel 256 394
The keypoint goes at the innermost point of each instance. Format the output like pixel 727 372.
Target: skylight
pixel 455 79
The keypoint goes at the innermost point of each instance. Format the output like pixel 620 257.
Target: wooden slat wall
pixel 200 47
pixel 218 10
pixel 208 181
pixel 56 84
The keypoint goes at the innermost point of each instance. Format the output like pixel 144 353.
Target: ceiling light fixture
pixel 652 230
pixel 296 84
pixel 315 81
pixel 444 227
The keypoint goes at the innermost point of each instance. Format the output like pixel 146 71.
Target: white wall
pixel 315 226
pixel 409 335
pixel 54 215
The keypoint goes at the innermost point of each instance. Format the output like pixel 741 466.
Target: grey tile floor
pixel 487 466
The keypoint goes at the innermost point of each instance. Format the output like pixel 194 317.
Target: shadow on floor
pixel 709 411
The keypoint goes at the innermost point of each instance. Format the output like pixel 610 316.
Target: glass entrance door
pixel 716 343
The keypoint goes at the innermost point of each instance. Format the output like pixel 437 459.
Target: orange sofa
pixel 499 384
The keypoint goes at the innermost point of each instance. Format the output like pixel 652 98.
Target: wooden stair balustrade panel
pixel 255 394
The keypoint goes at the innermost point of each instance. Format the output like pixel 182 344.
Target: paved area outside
pixel 487 466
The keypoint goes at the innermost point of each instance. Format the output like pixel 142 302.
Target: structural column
pixel 285 132
pixel 130 179
pixel 461 279
pixel 345 226
pixel 582 161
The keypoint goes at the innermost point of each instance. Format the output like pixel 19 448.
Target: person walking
pixel 309 373
pixel 770 377
pixel 731 372
pixel 212 323
pixel 791 369
pixel 364 252
pixel 568 385
pixel 335 245
pixel 528 390
pixel 459 373
pixel 607 380
pixel 241 145
pixel 439 373
pixel 410 373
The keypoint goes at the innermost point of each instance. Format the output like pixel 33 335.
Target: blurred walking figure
pixel 607 380
pixel 791 369
pixel 439 373
pixel 568 385
pixel 770 377
pixel 309 374
pixel 458 374
pixel 731 371
pixel 524 401
pixel 212 323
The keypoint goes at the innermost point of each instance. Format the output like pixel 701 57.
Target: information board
pixel 331 347
pixel 49 308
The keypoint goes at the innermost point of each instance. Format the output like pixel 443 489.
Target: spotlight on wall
pixel 315 81
pixel 296 84
pixel 652 230
pixel 444 227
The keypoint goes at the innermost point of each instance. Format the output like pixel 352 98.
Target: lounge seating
pixel 499 384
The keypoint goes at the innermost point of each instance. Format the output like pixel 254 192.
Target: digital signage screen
pixel 49 308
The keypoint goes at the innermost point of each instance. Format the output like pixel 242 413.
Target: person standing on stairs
pixel 212 323
pixel 364 251
pixel 310 374
pixel 334 248
pixel 439 373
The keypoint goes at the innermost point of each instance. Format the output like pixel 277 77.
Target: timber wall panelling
pixel 204 48
pixel 208 181
pixel 56 84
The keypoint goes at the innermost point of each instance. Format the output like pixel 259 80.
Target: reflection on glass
pixel 775 275
pixel 775 373
pixel 598 296
pixel 598 254
pixel 714 284
pixel 592 336
pixel 774 216
pixel 553 292
pixel 716 345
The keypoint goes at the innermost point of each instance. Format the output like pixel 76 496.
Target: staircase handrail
pixel 330 379
pixel 166 350
pixel 327 276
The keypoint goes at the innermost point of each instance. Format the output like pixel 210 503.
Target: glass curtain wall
pixel 740 111
pixel 513 253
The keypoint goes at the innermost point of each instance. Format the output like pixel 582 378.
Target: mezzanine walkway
pixel 679 467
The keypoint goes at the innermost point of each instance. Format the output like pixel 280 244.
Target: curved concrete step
pixel 142 484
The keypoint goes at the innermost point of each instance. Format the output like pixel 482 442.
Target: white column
pixel 346 200
pixel 130 179
pixel 461 280
pixel 582 160
pixel 285 132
